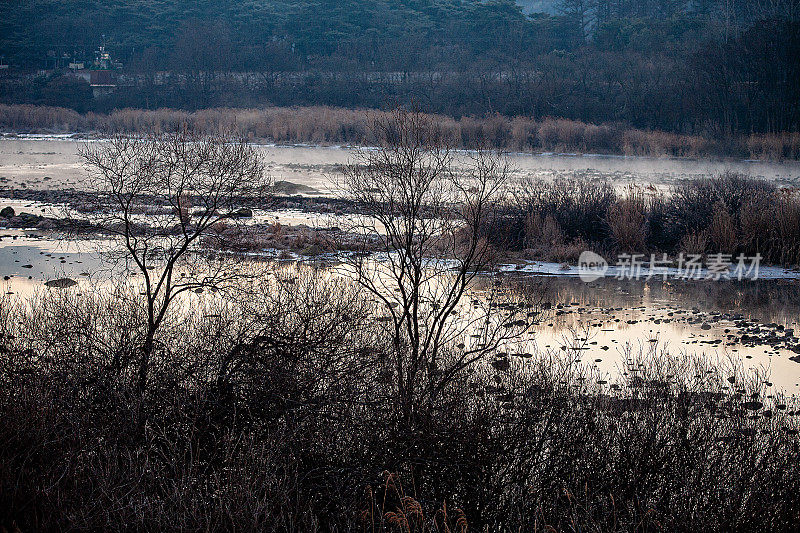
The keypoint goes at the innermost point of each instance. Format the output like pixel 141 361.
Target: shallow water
pixel 744 322
pixel 747 323
pixel 44 163
pixel 38 257
pixel 51 162
pixel 659 172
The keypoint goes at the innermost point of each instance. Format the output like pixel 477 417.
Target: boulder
pixel 7 212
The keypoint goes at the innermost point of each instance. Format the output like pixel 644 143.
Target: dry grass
pixel 659 143
pixel 328 125
pixel 389 508
pixel 772 226
pixel 694 243
pixel 627 222
pixel 542 231
pixel 774 147
pixel 722 232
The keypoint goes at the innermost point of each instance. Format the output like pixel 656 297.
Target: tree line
pixel 709 67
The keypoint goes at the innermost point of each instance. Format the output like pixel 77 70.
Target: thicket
pixel 276 412
pixel 728 214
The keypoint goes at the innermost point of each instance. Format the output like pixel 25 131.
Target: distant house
pixel 101 73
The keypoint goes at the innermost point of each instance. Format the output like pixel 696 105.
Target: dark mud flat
pixel 84 201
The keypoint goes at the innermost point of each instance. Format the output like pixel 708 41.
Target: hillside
pixel 31 30
pixel 709 67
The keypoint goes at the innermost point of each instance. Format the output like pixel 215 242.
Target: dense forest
pixel 712 67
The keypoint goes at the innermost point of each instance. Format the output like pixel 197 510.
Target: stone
pixel 243 213
pixel 63 283
pixel 7 212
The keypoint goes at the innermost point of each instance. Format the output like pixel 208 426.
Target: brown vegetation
pixel 627 222
pixel 297 400
pixel 276 412
pixel 327 125
pixel 728 214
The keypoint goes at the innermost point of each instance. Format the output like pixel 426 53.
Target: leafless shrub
pixel 722 231
pixel 694 201
pixel 273 412
pixel 201 180
pixel 627 222
pixel 729 214
pixel 424 219
pixel 578 206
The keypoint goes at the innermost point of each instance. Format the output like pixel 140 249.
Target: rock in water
pixel 63 283
pixel 7 212
pixel 243 213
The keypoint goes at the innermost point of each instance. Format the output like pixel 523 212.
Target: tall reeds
pixel 328 125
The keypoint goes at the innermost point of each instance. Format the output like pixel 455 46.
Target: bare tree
pixel 421 247
pixel 161 195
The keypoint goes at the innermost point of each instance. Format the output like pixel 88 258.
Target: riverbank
pixel 326 125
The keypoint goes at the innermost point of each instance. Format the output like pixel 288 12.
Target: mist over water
pixel 53 163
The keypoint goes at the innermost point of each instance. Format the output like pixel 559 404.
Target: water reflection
pixel 750 322
pixel 34 258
